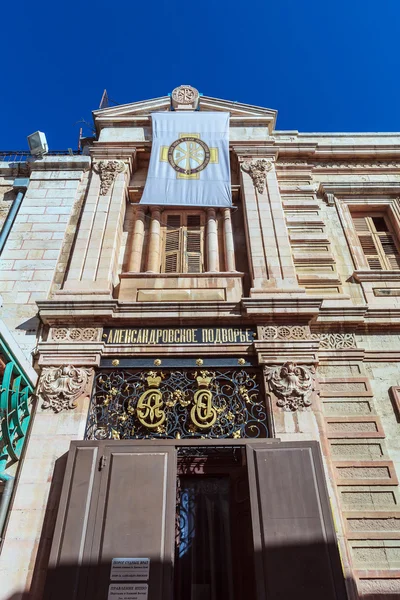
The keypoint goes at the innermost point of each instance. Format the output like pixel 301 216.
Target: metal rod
pixel 5 499
pixel 21 185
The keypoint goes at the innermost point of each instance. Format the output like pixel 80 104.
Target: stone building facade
pixel 297 287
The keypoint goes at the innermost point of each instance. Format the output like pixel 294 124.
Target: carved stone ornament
pixel 284 332
pixel 292 384
pixel 75 334
pixel 258 169
pixel 108 170
pixel 185 96
pixel 60 387
pixel 336 341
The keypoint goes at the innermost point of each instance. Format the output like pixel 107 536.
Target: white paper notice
pixel 128 591
pixel 130 569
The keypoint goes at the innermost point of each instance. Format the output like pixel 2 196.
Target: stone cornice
pixel 59 163
pixel 380 276
pixel 277 309
pixel 247 150
pixel 349 188
pixel 281 307
pixel 279 351
pixel 101 152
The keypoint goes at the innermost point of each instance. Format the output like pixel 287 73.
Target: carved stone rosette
pixel 292 384
pixel 284 332
pixel 108 170
pixel 75 334
pixel 258 169
pixel 335 341
pixel 60 387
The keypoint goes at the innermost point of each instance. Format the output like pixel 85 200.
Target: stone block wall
pixel 29 258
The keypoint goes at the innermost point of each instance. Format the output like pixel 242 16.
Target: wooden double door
pixel 266 532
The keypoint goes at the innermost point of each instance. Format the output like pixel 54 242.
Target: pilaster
pixel 60 417
pixel 95 254
pixel 268 241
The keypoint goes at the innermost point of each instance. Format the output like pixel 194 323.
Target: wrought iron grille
pixel 15 407
pixel 181 403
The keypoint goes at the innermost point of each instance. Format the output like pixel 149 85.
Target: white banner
pixel 189 162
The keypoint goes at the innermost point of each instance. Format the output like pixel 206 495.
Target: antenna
pixel 79 140
pixel 104 102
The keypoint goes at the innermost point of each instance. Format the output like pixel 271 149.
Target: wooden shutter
pixel 295 546
pixel 377 241
pixel 173 244
pixel 363 229
pixel 68 564
pixel 129 513
pixel 193 246
pixel 390 249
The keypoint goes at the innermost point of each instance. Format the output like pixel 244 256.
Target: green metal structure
pixel 15 413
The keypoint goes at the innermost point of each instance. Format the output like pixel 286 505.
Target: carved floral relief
pixel 108 170
pixel 60 387
pixel 75 334
pixel 258 169
pixel 292 384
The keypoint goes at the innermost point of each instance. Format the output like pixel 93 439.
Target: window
pixel 183 243
pixel 377 240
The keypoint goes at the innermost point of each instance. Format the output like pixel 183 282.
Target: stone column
pixel 212 241
pixel 153 257
pixel 228 237
pixel 137 243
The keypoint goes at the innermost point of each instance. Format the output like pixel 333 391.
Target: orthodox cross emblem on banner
pixel 189 162
pixel 188 155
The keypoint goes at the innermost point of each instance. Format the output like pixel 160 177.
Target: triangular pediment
pixel 140 111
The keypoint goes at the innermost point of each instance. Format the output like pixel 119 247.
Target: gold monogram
pixel 203 413
pixel 149 407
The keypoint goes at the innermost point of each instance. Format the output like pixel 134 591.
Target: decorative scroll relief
pixel 292 384
pixel 284 332
pixel 75 334
pixel 336 341
pixel 258 169
pixel 327 341
pixel 60 387
pixel 108 170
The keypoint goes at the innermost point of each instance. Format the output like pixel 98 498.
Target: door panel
pixel 296 552
pixel 67 568
pixel 136 516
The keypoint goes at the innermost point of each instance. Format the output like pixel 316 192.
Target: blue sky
pixel 325 65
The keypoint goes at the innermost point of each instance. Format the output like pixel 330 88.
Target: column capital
pixel 258 169
pixel 139 209
pixel 155 208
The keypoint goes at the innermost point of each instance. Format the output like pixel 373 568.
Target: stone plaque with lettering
pixel 130 569
pixel 128 591
pixel 149 336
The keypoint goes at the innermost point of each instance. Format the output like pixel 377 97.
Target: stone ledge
pixel 57 163
pixel 275 307
pixel 381 276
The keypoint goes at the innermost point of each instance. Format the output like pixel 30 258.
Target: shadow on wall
pixel 288 572
pixel 69 583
